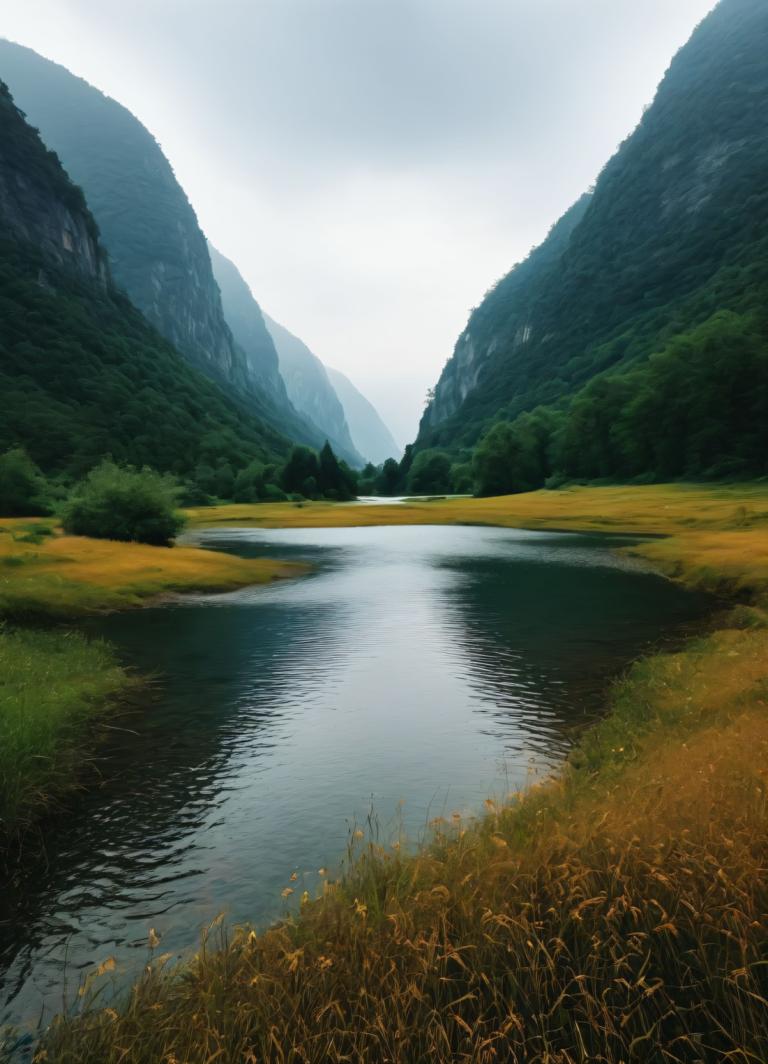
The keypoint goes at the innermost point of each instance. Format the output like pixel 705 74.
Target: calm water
pixel 431 667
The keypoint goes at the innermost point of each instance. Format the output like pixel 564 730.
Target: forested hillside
pixel 634 342
pixel 82 374
pixel 158 253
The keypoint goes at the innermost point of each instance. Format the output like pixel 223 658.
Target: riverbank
pixel 56 686
pixel 48 576
pixel 616 913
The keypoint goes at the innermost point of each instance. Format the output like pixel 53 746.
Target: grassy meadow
pixel 47 575
pixel 616 913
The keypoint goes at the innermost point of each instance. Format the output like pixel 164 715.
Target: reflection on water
pixel 431 666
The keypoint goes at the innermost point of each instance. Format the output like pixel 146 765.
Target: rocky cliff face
pixel 39 206
pixel 311 392
pixel 675 215
pixel 369 434
pixel 502 320
pixel 82 373
pixel 158 254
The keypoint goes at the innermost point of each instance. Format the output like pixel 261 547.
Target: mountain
pixel 82 373
pixel 311 391
pixel 245 318
pixel 370 435
pixel 157 252
pixel 639 328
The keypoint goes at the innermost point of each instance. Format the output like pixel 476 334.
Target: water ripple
pixel 435 666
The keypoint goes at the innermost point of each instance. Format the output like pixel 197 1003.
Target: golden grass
pixel 653 509
pixel 57 575
pixel 618 913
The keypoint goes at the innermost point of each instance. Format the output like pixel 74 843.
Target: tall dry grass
pixel 617 914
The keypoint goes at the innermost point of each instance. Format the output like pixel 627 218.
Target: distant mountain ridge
pixel 310 390
pixel 371 436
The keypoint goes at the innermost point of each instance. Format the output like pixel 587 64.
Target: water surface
pixel 417 671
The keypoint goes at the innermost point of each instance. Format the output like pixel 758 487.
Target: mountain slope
pixel 158 254
pixel 252 337
pixel 82 374
pixel 311 392
pixel 369 434
pixel 244 318
pixel 674 234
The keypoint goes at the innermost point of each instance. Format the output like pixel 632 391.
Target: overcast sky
pixel 372 166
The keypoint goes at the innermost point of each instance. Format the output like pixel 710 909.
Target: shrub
pixel 125 504
pixel 23 490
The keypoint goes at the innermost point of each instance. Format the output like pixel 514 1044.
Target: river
pixel 416 671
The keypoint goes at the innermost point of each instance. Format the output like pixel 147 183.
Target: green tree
pixel 23 490
pixel 124 503
pixel 512 457
pixel 430 473
pixel 301 467
pixel 335 481
pixel 388 481
pixel 250 483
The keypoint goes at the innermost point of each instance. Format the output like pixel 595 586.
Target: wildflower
pixel 324 963
pixel 106 966
pixel 361 909
pixel 287 892
pixel 359 834
pixel 153 938
pixel 294 876
pixel 305 898
pixel 322 871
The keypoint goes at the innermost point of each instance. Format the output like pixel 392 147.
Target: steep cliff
pixel 508 302
pixel 674 233
pixel 245 320
pixel 40 206
pixel 158 254
pixel 82 373
pixel 311 392
pixel 369 434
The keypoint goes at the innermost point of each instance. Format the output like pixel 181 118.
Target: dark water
pixel 429 666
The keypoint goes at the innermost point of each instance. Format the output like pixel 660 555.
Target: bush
pixel 125 504
pixel 272 493
pixel 430 473
pixel 23 490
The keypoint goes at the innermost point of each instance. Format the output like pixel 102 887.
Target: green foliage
pixel 696 409
pixel 54 684
pixel 82 374
pixel 311 476
pixel 23 490
pixel 335 479
pixel 430 473
pixel 124 504
pixel 675 234
pixel 513 457
pixel 301 468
